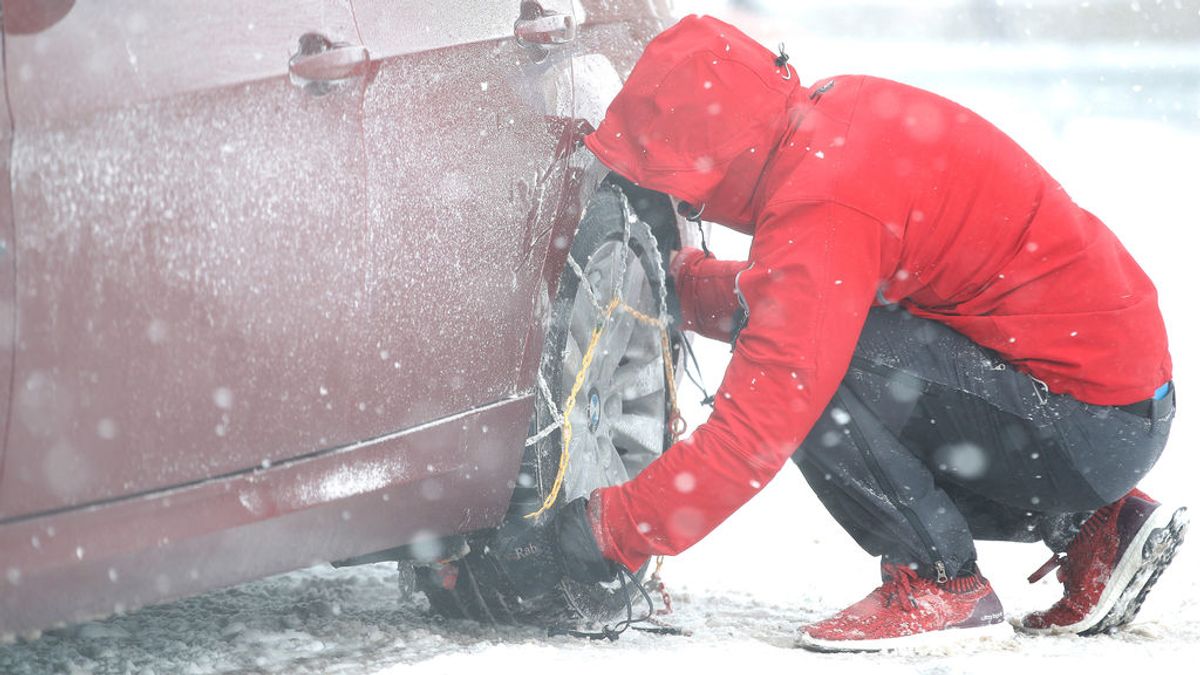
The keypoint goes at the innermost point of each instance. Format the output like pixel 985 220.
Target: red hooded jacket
pixel 858 191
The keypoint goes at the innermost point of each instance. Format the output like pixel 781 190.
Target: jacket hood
pixel 699 117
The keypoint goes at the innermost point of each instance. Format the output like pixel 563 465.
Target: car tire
pixel 620 423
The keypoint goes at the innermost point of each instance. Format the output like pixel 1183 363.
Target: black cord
pixel 655 628
pixel 689 359
pixel 613 632
pixel 693 215
pixel 703 240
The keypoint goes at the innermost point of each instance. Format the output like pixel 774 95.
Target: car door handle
pixel 320 60
pixel 548 29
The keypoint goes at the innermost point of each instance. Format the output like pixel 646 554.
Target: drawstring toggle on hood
pixel 692 215
pixel 781 61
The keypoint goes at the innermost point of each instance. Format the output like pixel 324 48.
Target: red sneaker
pixel 910 611
pixel 1109 567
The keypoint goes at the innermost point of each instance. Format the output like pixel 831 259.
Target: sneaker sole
pixel 931 639
pixel 1150 552
pixel 1157 552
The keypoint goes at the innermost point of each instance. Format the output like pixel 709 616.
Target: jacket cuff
pixel 706 288
pixel 681 271
pixel 686 257
pixel 604 540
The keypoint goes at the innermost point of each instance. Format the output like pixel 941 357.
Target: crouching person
pixel 949 347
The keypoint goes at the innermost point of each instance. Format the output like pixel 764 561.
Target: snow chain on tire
pixel 473 587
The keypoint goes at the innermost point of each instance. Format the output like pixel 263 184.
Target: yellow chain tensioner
pixel 675 420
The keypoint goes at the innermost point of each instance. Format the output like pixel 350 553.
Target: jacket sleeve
pixel 813 272
pixel 706 288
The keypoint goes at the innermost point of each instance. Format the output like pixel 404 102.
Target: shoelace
pixel 899 587
pixel 1062 560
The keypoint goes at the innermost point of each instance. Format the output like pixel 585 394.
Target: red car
pixel 287 282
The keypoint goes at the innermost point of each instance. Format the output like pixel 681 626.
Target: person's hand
pixel 580 556
pixel 526 557
pixel 535 556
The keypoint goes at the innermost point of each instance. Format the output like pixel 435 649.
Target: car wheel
pixel 619 423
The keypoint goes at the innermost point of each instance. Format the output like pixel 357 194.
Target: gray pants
pixel 932 441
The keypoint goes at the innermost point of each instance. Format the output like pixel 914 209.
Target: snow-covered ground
pixel 1117 124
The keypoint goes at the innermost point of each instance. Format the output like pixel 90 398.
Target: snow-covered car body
pixel 273 277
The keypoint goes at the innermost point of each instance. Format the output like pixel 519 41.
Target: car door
pixel 464 130
pixel 188 189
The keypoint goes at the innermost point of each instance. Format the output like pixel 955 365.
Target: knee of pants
pixel 818 462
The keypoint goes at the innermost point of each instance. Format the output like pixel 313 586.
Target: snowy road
pixel 780 561
pixel 741 594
